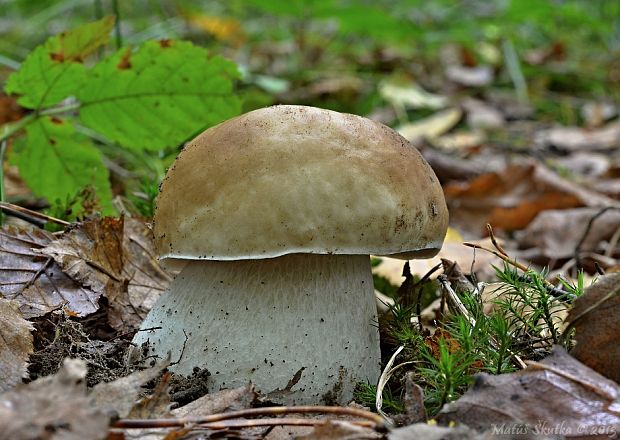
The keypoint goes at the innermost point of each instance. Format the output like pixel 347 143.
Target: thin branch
pixel 376 419
pixel 30 215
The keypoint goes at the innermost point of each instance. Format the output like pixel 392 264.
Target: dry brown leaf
pixel 54 407
pixel 434 432
pixel 340 430
pixel 119 396
pixel 34 281
pixel 450 166
pixel 113 257
pixel 595 318
pixel 482 115
pixel 556 233
pixel 157 404
pixel 557 393
pixel 575 138
pixel 15 344
pixel 584 163
pixel 222 401
pixel 288 432
pixel 511 199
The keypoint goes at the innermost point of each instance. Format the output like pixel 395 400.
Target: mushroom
pixel 274 214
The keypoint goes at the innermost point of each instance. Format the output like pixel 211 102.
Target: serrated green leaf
pixel 56 161
pixel 54 71
pixel 158 95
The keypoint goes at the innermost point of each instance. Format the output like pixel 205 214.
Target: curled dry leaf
pixel 52 407
pixel 113 257
pixel 597 327
pixel 511 199
pixel 15 344
pixel 34 281
pixel 559 393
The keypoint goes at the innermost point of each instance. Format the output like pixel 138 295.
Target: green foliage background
pixel 131 91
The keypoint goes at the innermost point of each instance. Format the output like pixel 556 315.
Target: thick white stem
pixel 302 327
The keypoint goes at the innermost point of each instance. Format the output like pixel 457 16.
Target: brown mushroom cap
pixel 293 179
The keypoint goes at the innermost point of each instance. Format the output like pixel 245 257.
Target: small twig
pixel 495 242
pixel 29 215
pixel 613 242
pixel 506 258
pixel 3 145
pixel 376 419
pixel 182 349
pixel 582 240
pixel 512 262
pixel 276 421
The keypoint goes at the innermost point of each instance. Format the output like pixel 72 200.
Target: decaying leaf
pixel 119 397
pixel 432 126
pixel 113 257
pixel 575 138
pixel 34 281
pixel 595 114
pixel 434 432
pixel 54 407
pixel 595 318
pixel 222 401
pixel 482 115
pixel 340 430
pixel 157 404
pixel 15 344
pixel 559 393
pixel 557 233
pixel 410 96
pixel 511 199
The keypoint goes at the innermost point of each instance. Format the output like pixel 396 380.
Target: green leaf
pixel 56 161
pixel 158 95
pixel 54 71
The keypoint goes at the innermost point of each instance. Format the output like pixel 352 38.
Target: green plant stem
pixel 2 152
pixel 514 70
pixel 117 24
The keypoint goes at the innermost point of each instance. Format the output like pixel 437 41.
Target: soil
pixel 59 336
